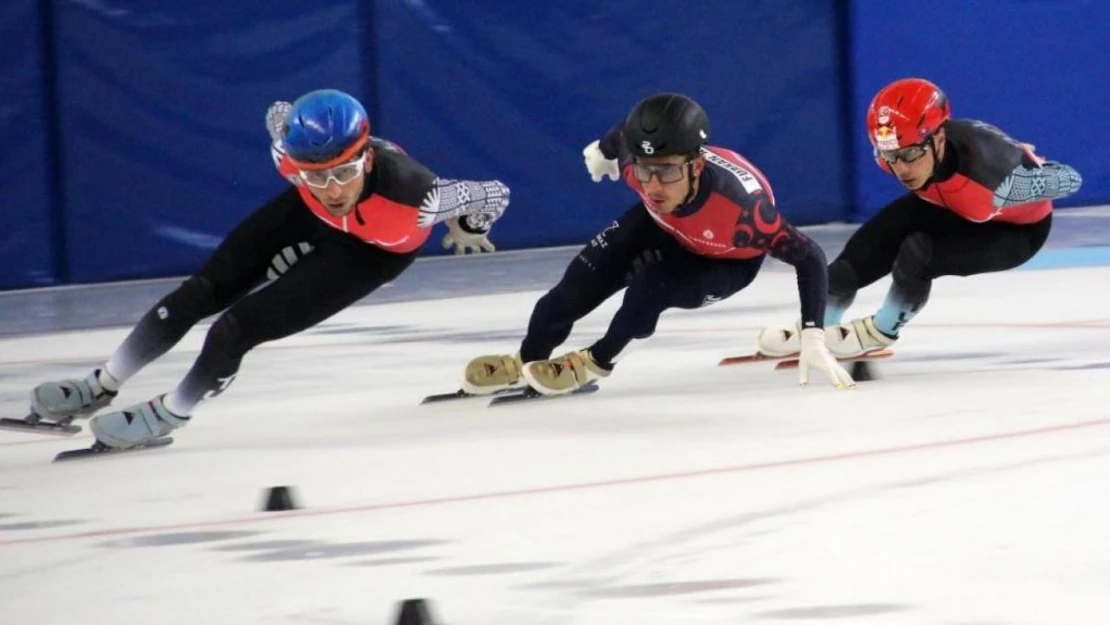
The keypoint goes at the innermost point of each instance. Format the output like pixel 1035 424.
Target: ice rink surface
pixel 967 486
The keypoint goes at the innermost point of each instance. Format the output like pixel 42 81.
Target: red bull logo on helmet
pixel 886 138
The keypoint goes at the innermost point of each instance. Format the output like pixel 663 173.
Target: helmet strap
pixel 690 177
pixel 936 160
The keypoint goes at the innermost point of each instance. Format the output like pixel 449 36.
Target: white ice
pixel 968 486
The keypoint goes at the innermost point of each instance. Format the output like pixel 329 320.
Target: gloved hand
pixel 275 119
pixel 815 354
pixel 598 165
pixel 464 241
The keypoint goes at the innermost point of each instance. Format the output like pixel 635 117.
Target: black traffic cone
pixel 415 612
pixel 863 371
pixel 279 498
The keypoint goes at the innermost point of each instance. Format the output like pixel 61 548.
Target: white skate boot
pixel 136 425
pixel 856 338
pixel 71 398
pixel 781 340
pixel 486 375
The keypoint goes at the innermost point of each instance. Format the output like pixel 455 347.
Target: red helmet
pixel 906 112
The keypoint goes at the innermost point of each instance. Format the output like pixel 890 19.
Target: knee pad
pixel 914 256
pixel 843 282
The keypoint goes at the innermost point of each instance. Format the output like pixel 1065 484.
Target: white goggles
pixel 342 174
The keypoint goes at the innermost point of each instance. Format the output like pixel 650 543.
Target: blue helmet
pixel 325 127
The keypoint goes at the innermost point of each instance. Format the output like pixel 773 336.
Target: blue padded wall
pixel 134 135
pixel 512 90
pixel 1035 69
pixel 162 106
pixel 26 219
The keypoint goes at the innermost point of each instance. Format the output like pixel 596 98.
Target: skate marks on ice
pixel 299 550
pixel 954 355
pixel 649 569
pixel 175 538
pixel 20 526
pixel 635 480
pixel 278 550
pixel 321 550
pixel 403 334
pixel 395 561
pixel 978 472
pixel 499 568
pixel 833 611
pixel 668 589
pixel 1093 365
pixel 608 575
pixel 619 574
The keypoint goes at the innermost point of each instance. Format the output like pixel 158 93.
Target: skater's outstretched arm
pixel 1006 172
pixel 468 207
pixel 763 227
pixel 1031 182
pixel 479 202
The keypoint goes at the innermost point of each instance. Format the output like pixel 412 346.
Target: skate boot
pixel 781 340
pixel 136 425
pixel 72 398
pixel 856 338
pixel 564 374
pixel 486 375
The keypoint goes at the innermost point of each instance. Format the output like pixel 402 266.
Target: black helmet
pixel 665 124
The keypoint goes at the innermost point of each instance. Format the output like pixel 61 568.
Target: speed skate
pixel 791 361
pixel 35 424
pixel 509 395
pixel 99 449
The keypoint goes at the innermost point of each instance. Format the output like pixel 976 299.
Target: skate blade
pixel 461 394
pixel 749 358
pixel 530 394
pixel 876 355
pixel 99 450
pixel 64 427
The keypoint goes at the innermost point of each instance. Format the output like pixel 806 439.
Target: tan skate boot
pixel 564 374
pixel 486 375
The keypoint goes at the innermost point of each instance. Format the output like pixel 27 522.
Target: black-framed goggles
pixel 665 172
pixel 908 154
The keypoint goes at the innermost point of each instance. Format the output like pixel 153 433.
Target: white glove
pixel 464 241
pixel 598 165
pixel 816 354
pixel 275 119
